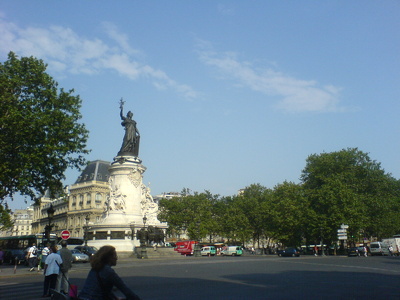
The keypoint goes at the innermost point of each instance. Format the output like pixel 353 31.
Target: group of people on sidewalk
pixel 99 283
pixel 56 265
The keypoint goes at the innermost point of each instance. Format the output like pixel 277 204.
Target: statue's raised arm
pixel 121 106
pixel 130 143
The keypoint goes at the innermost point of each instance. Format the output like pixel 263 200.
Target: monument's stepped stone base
pixel 160 252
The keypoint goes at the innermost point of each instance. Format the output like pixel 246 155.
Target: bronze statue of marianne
pixel 130 144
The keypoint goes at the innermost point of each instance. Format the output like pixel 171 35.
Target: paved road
pixel 255 277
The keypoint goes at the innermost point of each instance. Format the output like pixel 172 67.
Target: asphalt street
pixel 249 277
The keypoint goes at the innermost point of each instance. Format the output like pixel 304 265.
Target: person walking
pixel 32 257
pixel 365 250
pixel 390 250
pixel 51 270
pixel 102 278
pixel 45 253
pixel 62 278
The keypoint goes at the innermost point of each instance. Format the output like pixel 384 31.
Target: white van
pixel 232 250
pixel 379 248
pixel 208 251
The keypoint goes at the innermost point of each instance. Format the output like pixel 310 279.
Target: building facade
pixel 22 219
pixel 83 203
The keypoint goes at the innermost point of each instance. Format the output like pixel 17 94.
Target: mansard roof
pixel 95 171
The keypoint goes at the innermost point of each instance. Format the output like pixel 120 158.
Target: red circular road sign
pixel 65 235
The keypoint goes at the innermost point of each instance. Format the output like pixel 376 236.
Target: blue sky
pixel 225 93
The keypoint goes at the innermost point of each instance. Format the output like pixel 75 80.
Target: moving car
pixel 290 251
pixel 78 256
pixel 88 250
pixel 356 251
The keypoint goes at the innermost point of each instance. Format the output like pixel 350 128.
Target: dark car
pixel 290 251
pixel 88 250
pixel 15 257
pixel 356 251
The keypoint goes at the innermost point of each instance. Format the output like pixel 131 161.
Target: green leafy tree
pixel 5 217
pixel 289 214
pixel 170 210
pixel 40 133
pixel 232 220
pixel 344 187
pixel 254 202
pixel 193 213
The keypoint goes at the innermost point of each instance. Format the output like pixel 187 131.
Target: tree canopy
pixel 348 187
pixel 345 186
pixel 39 128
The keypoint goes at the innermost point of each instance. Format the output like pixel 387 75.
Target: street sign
pixel 343 226
pixel 341 230
pixel 342 237
pixel 65 235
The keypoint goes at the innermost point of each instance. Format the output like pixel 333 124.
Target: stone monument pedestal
pixel 128 203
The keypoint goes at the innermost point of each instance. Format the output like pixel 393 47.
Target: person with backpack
pixel 32 257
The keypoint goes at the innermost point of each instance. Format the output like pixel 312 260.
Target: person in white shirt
pixel 32 257
pixel 45 253
pixel 51 270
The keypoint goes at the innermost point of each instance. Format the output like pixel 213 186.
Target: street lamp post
pixel 132 226
pixel 197 250
pixel 143 239
pixel 50 215
pixel 87 219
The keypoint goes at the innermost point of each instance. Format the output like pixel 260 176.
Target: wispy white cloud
pixel 65 51
pixel 225 10
pixel 291 94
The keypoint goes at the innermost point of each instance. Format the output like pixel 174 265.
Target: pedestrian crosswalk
pixel 21 284
pixel 21 291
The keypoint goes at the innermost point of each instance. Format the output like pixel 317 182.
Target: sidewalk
pixel 20 270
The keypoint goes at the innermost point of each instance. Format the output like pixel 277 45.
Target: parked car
pixel 78 256
pixel 356 251
pixel 88 250
pixel 208 250
pixel 290 251
pixel 15 256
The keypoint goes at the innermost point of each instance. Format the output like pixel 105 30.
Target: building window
pixel 99 198
pixel 101 235
pixel 88 198
pixel 117 235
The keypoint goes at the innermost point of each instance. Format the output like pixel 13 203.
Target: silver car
pixel 78 256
